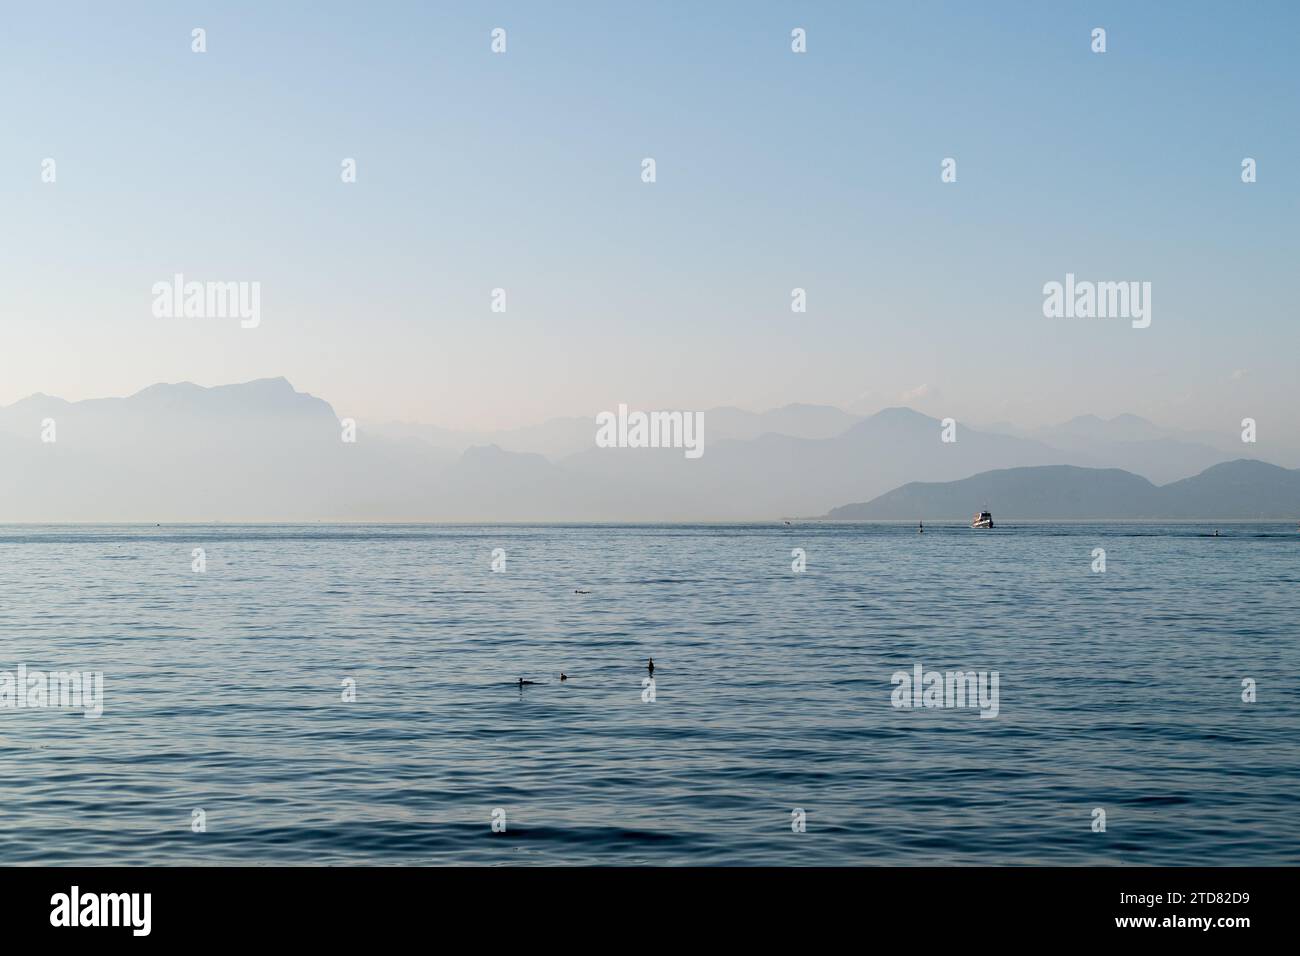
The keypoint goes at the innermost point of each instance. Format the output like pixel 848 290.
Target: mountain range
pixel 1240 490
pixel 262 451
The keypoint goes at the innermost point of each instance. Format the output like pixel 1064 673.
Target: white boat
pixel 982 520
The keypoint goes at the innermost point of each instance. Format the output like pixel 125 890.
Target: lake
pixel 225 736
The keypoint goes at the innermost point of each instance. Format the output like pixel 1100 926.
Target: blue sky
pixel 775 170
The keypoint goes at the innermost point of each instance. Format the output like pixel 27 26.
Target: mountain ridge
pixel 262 450
pixel 1241 489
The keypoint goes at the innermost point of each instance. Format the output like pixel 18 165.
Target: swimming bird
pixel 563 676
pixel 522 682
pixel 651 666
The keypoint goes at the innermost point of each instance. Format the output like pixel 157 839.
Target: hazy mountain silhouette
pixel 261 451
pixel 559 438
pixel 1134 444
pixel 782 475
pixel 1239 489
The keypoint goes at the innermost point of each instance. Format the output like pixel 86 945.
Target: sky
pixel 774 170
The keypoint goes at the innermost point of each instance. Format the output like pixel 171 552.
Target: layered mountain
pixel 784 475
pixel 259 451
pixel 262 451
pixel 1242 489
pixel 558 438
pixel 1134 444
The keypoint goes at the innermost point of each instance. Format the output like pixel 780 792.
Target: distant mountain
pixel 262 451
pixel 1242 489
pixel 259 451
pixel 775 475
pixel 559 438
pixel 1134 444
pixel 1129 442
pixel 1120 428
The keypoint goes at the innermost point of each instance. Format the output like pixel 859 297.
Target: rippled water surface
pixel 1119 690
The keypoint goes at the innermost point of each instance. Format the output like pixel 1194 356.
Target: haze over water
pixel 1120 690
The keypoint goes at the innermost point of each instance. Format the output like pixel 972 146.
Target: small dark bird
pixel 651 666
pixel 563 676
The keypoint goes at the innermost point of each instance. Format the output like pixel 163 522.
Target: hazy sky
pixel 775 170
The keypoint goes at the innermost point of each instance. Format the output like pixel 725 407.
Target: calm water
pixel 1119 690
